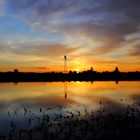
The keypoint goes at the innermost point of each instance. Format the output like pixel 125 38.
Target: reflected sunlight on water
pixel 16 99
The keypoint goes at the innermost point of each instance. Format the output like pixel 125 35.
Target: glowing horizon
pixel 35 35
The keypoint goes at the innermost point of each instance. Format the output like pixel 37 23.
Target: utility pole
pixel 65 71
pixel 65 63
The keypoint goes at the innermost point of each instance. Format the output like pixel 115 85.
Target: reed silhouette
pixel 85 125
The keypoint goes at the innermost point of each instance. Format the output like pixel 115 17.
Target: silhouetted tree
pixel 89 75
pixel 70 72
pixel 91 69
pixel 116 69
pixel 16 71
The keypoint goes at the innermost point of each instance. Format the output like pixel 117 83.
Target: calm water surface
pixel 23 101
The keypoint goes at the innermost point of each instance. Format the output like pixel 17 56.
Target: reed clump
pixel 85 125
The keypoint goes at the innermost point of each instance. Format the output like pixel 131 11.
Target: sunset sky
pixel 36 34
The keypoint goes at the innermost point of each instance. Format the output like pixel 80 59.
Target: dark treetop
pixel 89 75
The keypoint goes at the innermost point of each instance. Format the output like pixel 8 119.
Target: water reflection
pixel 23 101
pixel 51 94
pixel 65 89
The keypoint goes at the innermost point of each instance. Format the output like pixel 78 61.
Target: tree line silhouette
pixel 88 75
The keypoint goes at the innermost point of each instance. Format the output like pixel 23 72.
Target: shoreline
pixel 90 76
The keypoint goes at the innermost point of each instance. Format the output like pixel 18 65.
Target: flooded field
pixel 25 105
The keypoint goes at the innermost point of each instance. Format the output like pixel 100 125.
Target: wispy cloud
pixel 106 16
pixel 95 29
pixel 2 7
